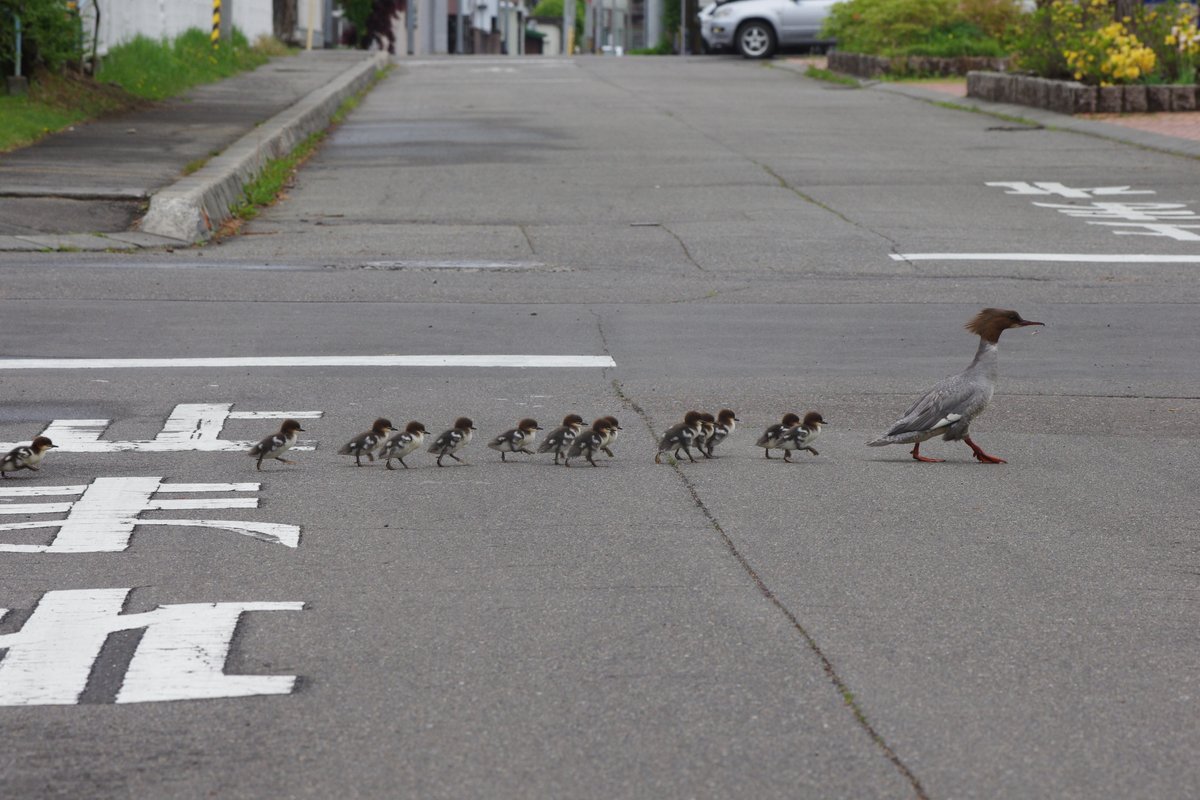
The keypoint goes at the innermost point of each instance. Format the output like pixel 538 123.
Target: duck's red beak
pixel 1026 323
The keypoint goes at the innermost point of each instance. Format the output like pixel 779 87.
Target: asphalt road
pixel 731 234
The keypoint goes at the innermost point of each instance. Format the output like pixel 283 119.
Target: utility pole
pixel 683 27
pixel 410 24
pixel 460 20
pixel 569 27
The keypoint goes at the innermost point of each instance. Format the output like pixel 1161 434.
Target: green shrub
pixel 946 28
pixel 51 35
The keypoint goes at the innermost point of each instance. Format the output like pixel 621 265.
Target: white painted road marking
pixel 191 426
pixel 181 656
pixel 1074 258
pixel 310 361
pixel 102 520
pixel 1055 188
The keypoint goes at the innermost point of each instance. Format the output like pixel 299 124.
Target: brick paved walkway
pixel 1180 124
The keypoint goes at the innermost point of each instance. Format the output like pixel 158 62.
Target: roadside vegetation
pixel 821 74
pixel 158 69
pixel 58 62
pixel 939 28
pixel 1087 41
pixel 1097 42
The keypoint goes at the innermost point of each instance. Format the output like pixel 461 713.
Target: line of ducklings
pixel 699 430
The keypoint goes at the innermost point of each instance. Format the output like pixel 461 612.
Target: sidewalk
pixel 84 187
pixel 1177 133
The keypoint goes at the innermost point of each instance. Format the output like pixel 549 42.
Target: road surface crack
pixel 827 665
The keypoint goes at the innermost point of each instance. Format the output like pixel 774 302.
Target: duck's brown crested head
pixel 989 323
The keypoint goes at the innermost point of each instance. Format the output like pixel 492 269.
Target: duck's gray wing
pixel 950 400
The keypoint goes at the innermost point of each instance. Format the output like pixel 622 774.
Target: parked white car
pixel 757 28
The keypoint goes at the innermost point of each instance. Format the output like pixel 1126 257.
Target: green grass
pixel 53 103
pixel 819 74
pixel 1003 117
pixel 158 69
pixel 143 69
pixel 263 190
pixel 24 120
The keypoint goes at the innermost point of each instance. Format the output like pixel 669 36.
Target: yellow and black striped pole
pixel 216 29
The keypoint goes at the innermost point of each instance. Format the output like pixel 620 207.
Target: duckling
pixel 770 437
pixel 680 436
pixel 26 456
pixel 401 444
pixel 365 444
pixel 277 444
pixel 515 439
pixel 587 444
pixel 448 442
pixel 611 434
pixel 707 427
pixel 801 437
pixel 726 421
pixel 559 440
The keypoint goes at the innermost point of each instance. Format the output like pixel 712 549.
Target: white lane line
pixel 312 361
pixel 1080 258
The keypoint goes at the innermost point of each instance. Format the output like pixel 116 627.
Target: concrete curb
pixel 1053 120
pixel 191 208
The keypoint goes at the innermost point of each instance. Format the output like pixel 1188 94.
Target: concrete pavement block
pixel 192 208
pixel 142 239
pixel 15 244
pixel 73 241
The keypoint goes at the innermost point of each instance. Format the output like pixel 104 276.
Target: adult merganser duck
pixel 401 444
pixel 947 409
pixel 589 443
pixel 365 444
pixel 276 445
pixel 770 438
pixel 680 436
pixel 726 421
pixel 801 437
pixel 559 440
pixel 26 456
pixel 516 439
pixel 452 440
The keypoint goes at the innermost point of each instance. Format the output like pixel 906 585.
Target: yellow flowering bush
pixel 1080 39
pixel 1112 54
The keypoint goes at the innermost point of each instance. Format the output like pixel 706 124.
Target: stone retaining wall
pixel 1070 97
pixel 865 66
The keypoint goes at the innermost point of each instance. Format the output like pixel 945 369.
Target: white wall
pixel 122 20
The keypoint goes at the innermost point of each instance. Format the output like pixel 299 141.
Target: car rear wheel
pixel 756 39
